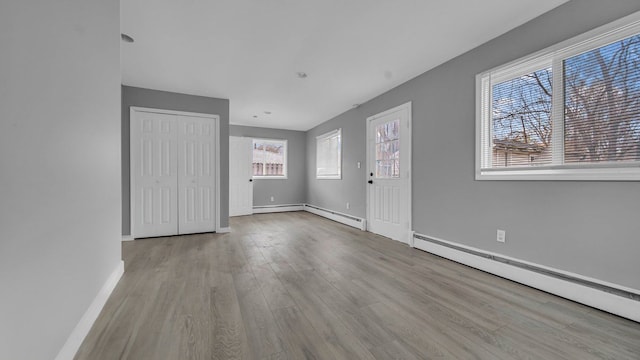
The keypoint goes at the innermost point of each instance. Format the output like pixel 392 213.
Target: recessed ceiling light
pixel 301 74
pixel 267 112
pixel 126 38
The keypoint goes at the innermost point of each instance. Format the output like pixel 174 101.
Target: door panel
pixel 196 175
pixel 154 182
pixel 388 147
pixel 206 197
pixel 240 176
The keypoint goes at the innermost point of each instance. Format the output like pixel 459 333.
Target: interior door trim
pixel 216 119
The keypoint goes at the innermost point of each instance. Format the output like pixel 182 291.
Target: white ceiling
pixel 249 51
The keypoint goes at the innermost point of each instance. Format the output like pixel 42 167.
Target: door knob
pixel 250 180
pixel 370 181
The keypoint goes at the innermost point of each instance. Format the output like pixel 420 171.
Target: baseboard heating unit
pixel 277 208
pixel 599 294
pixel 356 222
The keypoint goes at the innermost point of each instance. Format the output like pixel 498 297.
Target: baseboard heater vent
pixel 277 208
pixel 543 271
pixel 353 221
pixel 336 213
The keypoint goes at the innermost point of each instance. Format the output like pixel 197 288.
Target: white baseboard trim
pixel 223 230
pixel 127 238
pixel 612 303
pixel 354 221
pixel 81 330
pixel 277 208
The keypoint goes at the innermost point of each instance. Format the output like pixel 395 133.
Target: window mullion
pixel 557 113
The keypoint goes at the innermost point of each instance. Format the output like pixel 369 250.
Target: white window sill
pixel 567 174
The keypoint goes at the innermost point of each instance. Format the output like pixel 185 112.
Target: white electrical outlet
pixel 501 236
pixel 358 164
pixel 348 206
pixel 273 199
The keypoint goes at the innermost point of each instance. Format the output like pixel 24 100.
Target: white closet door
pixel 154 169
pixel 196 175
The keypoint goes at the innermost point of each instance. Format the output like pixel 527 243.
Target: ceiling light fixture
pixel 126 38
pixel 301 74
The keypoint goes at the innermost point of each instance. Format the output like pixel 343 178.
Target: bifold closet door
pixel 154 174
pixel 196 175
pixel 173 173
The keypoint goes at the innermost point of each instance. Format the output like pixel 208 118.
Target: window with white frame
pixel 269 159
pixel 571 112
pixel 329 155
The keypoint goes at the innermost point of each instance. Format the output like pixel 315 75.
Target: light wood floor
pixel 297 286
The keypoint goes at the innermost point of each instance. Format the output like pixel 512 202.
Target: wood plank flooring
pixel 297 286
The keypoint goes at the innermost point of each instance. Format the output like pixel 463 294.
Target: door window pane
pixel 388 149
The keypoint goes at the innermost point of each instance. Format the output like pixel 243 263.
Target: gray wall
pixel 284 191
pixel 589 228
pixel 134 96
pixel 59 168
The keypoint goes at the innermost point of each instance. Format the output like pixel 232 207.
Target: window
pixel 388 150
pixel 329 155
pixel 269 159
pixel 571 112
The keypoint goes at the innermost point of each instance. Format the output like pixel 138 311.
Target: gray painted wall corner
pixel 285 191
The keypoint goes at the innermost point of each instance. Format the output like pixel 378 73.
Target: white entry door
pixel 196 175
pixel 240 176
pixel 173 173
pixel 154 184
pixel 389 173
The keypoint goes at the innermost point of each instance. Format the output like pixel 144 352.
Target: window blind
pixel 329 155
pixel 602 104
